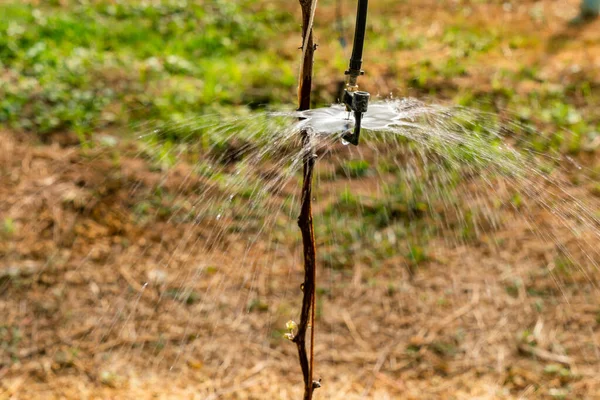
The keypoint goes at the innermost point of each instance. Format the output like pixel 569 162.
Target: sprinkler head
pixel 357 102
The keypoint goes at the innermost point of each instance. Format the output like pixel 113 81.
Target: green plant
pixel 355 168
pixel 8 226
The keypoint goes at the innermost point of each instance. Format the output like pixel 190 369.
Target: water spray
pixel 355 100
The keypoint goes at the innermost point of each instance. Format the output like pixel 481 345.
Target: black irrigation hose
pixel 359 38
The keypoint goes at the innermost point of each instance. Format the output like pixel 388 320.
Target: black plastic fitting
pixel 357 102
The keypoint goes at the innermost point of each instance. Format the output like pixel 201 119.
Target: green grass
pixel 355 168
pixel 372 228
pixel 85 67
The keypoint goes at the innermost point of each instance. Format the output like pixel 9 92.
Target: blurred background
pixel 106 288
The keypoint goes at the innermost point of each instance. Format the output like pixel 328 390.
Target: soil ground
pixel 87 304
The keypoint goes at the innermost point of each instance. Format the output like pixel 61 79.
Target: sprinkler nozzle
pixel 358 103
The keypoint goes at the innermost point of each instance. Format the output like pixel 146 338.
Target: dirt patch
pixel 102 303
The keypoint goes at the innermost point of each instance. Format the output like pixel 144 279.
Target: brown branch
pixel 305 84
pixel 305 221
pixel 308 240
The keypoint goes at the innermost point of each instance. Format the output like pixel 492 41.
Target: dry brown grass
pixel 73 286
